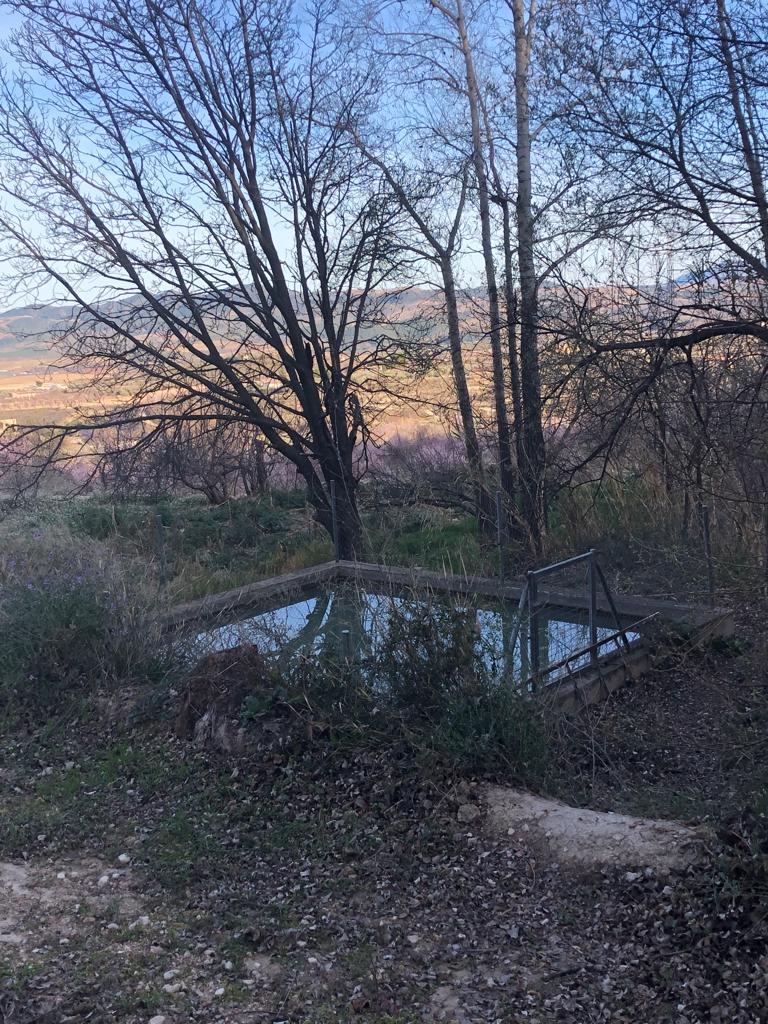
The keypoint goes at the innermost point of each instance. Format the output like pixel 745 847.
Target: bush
pixel 426 684
pixel 429 655
pixel 71 615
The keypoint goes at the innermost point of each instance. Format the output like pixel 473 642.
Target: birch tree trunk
pixel 531 472
pixel 506 465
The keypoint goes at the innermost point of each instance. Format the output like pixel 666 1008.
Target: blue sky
pixel 8 20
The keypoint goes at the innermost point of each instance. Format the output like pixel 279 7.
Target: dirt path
pixel 440 920
pixel 318 885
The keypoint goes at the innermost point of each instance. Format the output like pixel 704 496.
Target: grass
pixel 72 614
pixel 203 549
pixel 73 803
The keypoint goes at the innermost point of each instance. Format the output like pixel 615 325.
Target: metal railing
pixel 530 598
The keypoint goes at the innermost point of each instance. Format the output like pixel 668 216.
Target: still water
pixel 351 622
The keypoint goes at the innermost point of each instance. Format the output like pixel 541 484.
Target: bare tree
pixel 532 470
pixel 669 98
pixel 454 14
pixel 184 175
pixel 220 461
pixel 422 191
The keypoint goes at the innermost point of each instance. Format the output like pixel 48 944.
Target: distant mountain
pixel 25 333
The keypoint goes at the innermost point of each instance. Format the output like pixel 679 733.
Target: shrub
pixel 71 614
pixel 426 684
pixel 429 654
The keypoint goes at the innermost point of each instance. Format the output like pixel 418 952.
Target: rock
pixel 173 988
pixel 263 968
pixel 445 1003
pixel 169 975
pixel 581 837
pixel 104 880
pixel 123 859
pixel 159 1019
pixel 468 812
pixel 216 690
pixel 359 1001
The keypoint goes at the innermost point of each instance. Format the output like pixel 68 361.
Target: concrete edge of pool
pixel 581 687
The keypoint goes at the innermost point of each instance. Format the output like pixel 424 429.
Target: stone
pixel 217 688
pixel 468 812
pixel 123 859
pixel 581 837
pixel 104 880
pixel 159 1019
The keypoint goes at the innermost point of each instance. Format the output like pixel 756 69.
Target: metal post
pixel 500 534
pixel 518 625
pixel 335 521
pixel 708 554
pixel 160 547
pixel 611 603
pixel 533 627
pixel 346 644
pixel 592 581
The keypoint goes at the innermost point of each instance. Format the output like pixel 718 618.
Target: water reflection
pixel 348 622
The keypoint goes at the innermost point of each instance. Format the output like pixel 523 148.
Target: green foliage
pixel 209 548
pixel 429 655
pixel 426 685
pixel 205 547
pixel 493 730
pixel 71 614
pixel 428 538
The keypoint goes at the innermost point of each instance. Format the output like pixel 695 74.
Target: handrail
pixel 581 651
pixel 529 596
pixel 547 570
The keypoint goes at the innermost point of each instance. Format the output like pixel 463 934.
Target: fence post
pixel 346 644
pixel 500 535
pixel 334 521
pixel 160 548
pixel 533 627
pixel 592 581
pixel 708 554
pixel 611 603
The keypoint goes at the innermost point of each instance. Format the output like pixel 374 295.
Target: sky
pixel 471 263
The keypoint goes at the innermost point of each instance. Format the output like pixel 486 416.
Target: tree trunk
pixel 348 522
pixel 483 503
pixel 534 456
pixel 349 525
pixel 506 468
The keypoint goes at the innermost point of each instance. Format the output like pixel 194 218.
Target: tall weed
pixel 71 615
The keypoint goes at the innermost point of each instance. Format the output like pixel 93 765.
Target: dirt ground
pixel 143 880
